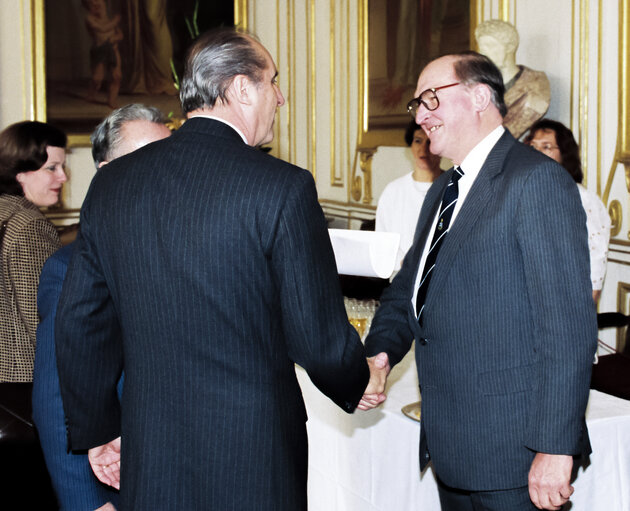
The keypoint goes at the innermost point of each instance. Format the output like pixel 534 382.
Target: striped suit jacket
pixel 28 241
pixel 509 326
pixel 203 268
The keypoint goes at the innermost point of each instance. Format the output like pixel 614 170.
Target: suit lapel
pixel 476 202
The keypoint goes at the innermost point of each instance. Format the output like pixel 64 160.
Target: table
pixel 368 461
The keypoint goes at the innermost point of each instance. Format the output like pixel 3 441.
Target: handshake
pixel 374 393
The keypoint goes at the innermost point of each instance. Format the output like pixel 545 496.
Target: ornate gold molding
pixel 615 211
pixel 504 10
pixel 312 120
pixel 361 186
pixel 583 84
pixel 38 62
pixel 622 150
pixel 623 292
pixel 240 14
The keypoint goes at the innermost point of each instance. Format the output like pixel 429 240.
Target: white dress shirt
pixel 470 166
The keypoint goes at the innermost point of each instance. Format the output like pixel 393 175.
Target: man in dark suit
pixel 496 292
pixel 204 269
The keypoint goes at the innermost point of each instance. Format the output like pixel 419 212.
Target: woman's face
pixel 545 142
pixel 43 186
pixel 423 157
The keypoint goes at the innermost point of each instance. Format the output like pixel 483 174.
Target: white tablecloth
pixel 368 461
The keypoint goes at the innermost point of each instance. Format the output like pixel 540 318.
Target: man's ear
pixel 481 96
pixel 242 89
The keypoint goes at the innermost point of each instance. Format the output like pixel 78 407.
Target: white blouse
pixel 598 227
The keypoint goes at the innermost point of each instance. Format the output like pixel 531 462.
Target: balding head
pixel 126 129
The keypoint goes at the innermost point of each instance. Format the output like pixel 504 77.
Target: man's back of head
pixel 126 129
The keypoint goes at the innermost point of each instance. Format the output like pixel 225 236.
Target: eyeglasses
pixel 428 98
pixel 543 148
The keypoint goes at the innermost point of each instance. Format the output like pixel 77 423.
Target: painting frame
pixel 41 97
pixel 370 138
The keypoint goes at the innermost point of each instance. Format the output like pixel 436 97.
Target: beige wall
pixel 316 47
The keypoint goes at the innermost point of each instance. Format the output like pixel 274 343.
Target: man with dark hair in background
pixel 204 270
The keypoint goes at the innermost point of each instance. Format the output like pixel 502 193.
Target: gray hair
pixel 502 31
pixel 212 63
pixel 107 135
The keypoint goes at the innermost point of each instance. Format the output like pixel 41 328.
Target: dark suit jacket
pixel 509 328
pixel 75 485
pixel 204 268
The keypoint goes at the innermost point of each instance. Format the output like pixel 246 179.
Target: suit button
pixel 423 342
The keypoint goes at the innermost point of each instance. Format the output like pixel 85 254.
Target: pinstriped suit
pixel 203 266
pixel 509 328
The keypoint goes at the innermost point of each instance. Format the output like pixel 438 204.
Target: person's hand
pixel 549 480
pixel 105 462
pixel 374 393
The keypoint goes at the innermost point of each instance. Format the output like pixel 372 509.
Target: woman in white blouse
pixel 556 141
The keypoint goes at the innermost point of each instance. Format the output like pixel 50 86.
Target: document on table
pixel 365 253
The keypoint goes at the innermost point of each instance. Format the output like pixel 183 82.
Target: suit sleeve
pixel 318 334
pixel 89 347
pixel 71 474
pixel 390 331
pixel 551 232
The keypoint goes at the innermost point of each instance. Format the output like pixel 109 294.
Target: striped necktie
pixel 446 212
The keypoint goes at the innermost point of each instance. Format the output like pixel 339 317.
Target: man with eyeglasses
pixel 496 292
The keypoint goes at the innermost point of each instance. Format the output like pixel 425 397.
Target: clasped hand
pixel 374 393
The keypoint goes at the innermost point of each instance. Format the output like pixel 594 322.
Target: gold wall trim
pixel 348 96
pixel 38 61
pixel 598 173
pixel 572 85
pixel 335 179
pixel 622 149
pixel 292 109
pixel 623 243
pixel 240 14
pixel 278 125
pixel 312 93
pixel 79 141
pixel 583 85
pixel 623 290
pixel 357 207
pixel 22 61
pixel 504 10
pixel 615 211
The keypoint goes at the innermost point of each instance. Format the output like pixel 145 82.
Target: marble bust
pixel 527 92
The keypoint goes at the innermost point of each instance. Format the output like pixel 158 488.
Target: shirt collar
pixel 475 159
pixel 224 122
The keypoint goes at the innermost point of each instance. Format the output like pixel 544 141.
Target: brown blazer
pixel 29 240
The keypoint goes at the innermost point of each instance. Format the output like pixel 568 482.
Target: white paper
pixel 365 253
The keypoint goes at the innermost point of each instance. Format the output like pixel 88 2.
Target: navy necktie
pixel 446 212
